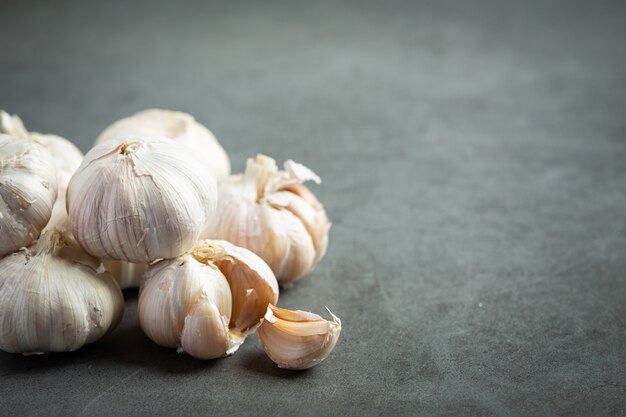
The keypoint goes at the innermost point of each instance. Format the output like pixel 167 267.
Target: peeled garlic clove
pixel 127 274
pixel 297 339
pixel 271 213
pixel 206 301
pixel 139 200
pixel 28 190
pixel 52 299
pixel 181 127
pixel 67 157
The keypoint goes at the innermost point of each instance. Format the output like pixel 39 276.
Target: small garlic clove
pixel 297 339
pixel 181 127
pixel 140 199
pixel 251 281
pixel 28 190
pixel 205 332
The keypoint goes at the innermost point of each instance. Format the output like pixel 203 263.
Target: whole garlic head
pixel 139 200
pixel 181 127
pixel 28 190
pixel 206 301
pixel 271 213
pixel 297 339
pixel 52 299
pixel 67 157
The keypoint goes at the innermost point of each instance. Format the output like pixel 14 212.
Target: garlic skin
pixel 127 274
pixel 179 126
pixel 271 213
pixel 67 157
pixel 139 200
pixel 206 301
pixel 52 299
pixel 28 190
pixel 297 339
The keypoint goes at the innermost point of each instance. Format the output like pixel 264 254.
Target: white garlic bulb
pixel 297 339
pixel 271 213
pixel 139 200
pixel 28 190
pixel 67 157
pixel 206 301
pixel 181 127
pixel 52 299
pixel 127 274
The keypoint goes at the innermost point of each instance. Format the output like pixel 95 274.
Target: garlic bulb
pixel 181 127
pixel 127 274
pixel 139 200
pixel 271 213
pixel 206 301
pixel 52 299
pixel 67 157
pixel 297 339
pixel 28 190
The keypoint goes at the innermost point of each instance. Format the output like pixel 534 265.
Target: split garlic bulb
pixel 271 213
pixel 297 339
pixel 28 190
pixel 206 301
pixel 52 298
pixel 181 127
pixel 139 200
pixel 67 157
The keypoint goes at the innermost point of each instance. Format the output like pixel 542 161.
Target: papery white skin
pixel 271 213
pixel 206 301
pixel 140 199
pixel 67 157
pixel 127 274
pixel 28 190
pixel 297 339
pixel 52 299
pixel 181 127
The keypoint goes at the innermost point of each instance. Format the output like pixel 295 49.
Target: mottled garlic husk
pixel 271 213
pixel 139 200
pixel 206 301
pixel 127 274
pixel 181 127
pixel 28 190
pixel 53 299
pixel 297 339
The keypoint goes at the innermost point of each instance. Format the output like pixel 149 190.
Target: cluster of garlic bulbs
pixel 152 205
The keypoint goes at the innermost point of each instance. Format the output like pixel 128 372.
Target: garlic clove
pixel 28 190
pixel 297 339
pixel 52 298
pixel 205 333
pixel 252 283
pixel 271 213
pixel 206 301
pixel 140 199
pixel 181 127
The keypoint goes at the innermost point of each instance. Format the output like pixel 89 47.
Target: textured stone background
pixel 474 163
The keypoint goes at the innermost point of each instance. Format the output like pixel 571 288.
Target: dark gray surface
pixel 474 163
